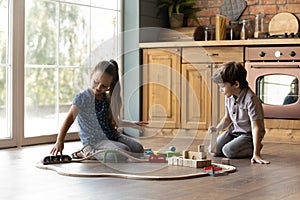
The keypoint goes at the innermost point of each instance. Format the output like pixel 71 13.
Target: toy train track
pixel 59 159
pixel 56 164
pixel 199 173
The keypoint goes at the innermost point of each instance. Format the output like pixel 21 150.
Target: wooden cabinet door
pixel 196 97
pixel 161 87
pixel 218 101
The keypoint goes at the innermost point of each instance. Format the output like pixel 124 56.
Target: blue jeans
pixel 235 145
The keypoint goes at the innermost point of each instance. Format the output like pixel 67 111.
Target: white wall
pixel 131 72
pixel 139 17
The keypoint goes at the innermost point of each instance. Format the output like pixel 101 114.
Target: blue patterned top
pixel 102 112
pixel 90 131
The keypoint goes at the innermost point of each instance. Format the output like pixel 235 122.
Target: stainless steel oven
pixel 274 73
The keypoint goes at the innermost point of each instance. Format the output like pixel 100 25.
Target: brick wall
pixel 209 9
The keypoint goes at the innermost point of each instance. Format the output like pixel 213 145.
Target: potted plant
pixel 178 11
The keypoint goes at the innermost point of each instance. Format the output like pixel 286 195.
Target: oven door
pixel 276 84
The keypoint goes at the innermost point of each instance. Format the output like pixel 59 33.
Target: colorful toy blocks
pixel 157 158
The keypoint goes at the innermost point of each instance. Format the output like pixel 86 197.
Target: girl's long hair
pixel 111 67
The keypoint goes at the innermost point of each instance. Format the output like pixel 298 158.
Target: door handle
pixel 212 54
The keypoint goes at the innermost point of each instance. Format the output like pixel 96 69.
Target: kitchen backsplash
pixel 209 9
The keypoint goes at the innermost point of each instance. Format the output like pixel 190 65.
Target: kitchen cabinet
pixel 177 87
pixel 203 61
pixel 161 87
pixel 277 130
pixel 196 98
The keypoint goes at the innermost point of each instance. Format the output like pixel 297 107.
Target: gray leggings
pixel 123 143
pixel 235 145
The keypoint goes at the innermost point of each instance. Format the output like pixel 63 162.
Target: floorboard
pixel 20 179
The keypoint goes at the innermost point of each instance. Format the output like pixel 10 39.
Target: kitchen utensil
pixel 233 8
pixel 283 23
pixel 220 27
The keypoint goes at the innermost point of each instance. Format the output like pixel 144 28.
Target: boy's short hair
pixel 231 72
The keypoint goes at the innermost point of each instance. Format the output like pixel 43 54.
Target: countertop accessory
pixel 220 27
pixel 283 23
pixel 233 8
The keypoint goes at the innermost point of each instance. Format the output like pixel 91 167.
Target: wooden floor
pixel 20 179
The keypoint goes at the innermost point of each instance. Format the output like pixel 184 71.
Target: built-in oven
pixel 273 73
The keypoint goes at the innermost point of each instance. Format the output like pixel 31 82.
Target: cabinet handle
pixel 213 54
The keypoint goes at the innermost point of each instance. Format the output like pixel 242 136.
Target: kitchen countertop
pixel 249 42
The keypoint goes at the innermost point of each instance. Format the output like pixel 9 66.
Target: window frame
pixel 17 107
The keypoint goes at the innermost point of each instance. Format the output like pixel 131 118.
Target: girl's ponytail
pixel 115 92
pixel 111 68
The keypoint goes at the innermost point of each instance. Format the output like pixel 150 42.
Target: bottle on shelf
pixel 243 30
pixel 247 30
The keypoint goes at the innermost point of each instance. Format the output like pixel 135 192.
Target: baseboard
pixel 272 135
pixel 282 136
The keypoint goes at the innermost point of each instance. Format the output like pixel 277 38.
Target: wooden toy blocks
pixel 225 161
pixel 191 159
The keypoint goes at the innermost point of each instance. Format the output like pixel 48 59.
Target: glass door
pixel 6 137
pixel 47 48
pixel 67 39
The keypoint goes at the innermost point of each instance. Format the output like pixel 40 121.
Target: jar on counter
pixel 246 30
pixel 204 33
pixel 234 30
pixel 209 32
pixel 259 25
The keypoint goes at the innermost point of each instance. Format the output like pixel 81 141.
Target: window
pixel 63 39
pixel 5 71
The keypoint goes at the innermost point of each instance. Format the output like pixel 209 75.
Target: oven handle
pixel 275 66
